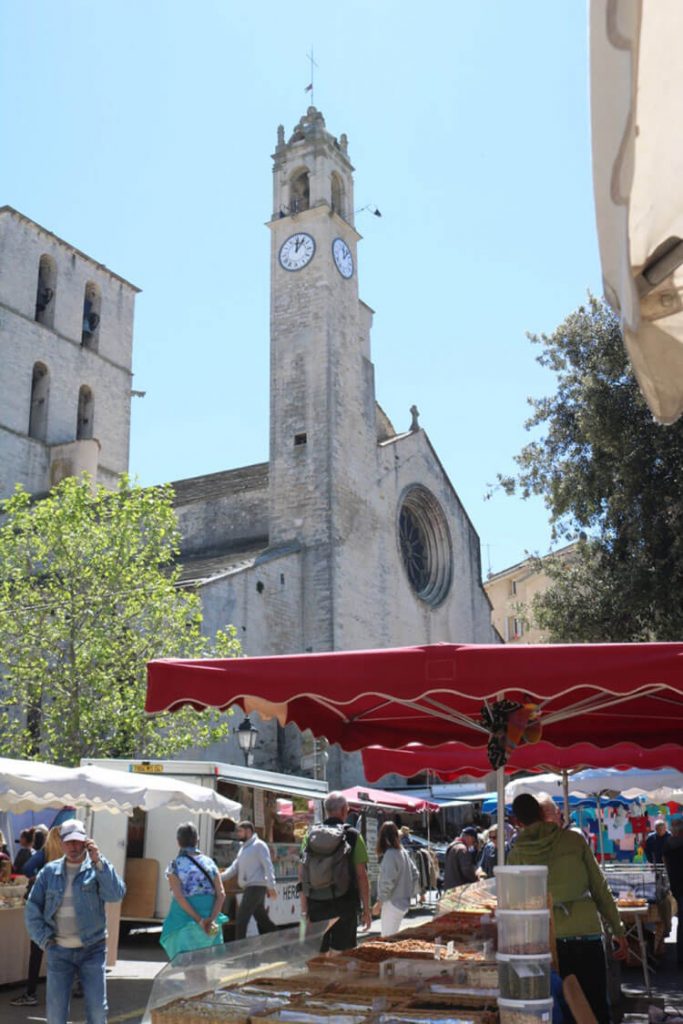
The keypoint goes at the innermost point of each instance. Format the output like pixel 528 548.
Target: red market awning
pixel 451 760
pixel 600 693
pixel 402 802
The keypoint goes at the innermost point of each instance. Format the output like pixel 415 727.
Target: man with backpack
pixel 334 876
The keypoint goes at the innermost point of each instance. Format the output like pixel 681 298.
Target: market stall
pixel 369 808
pixel 493 697
pixel 281 807
pixel 33 785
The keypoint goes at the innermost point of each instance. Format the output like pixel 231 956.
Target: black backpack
pixel 326 869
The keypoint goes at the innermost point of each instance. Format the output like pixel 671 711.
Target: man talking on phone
pixel 65 915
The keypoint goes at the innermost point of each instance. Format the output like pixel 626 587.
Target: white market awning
pixel 33 785
pixel 592 781
pixel 636 62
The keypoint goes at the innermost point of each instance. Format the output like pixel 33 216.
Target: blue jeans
pixel 88 962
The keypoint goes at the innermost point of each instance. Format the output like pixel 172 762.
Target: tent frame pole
pixel 500 838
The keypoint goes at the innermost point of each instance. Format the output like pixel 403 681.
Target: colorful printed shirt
pixel 193 881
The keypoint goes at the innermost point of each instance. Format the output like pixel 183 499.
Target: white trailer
pixel 140 848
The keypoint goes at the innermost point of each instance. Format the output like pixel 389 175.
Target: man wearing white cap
pixel 65 915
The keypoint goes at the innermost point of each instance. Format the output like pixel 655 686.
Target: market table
pixel 632 919
pixel 14 947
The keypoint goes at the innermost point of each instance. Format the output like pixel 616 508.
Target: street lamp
pixel 247 735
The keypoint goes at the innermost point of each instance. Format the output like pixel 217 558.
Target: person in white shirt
pixel 254 870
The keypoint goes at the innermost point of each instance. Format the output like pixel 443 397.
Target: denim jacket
pixel 92 888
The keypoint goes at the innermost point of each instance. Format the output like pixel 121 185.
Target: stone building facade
pixel 351 535
pixel 511 593
pixel 66 339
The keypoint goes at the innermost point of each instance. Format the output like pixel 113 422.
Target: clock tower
pixel 322 402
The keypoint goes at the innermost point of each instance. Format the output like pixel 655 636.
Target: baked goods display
pixel 631 901
pixel 12 893
pixel 436 973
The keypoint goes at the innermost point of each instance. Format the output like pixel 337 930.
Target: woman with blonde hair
pixel 397 879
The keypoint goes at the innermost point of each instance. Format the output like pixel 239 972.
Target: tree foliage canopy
pixel 607 471
pixel 88 595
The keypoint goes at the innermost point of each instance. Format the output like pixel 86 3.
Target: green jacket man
pixel 580 895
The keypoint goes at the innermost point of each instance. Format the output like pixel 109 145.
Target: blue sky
pixel 141 132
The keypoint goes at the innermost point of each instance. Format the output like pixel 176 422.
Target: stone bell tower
pixel 322 407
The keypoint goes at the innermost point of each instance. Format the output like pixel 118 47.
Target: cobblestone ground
pixel 141 958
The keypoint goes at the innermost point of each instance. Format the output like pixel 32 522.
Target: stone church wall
pixel 223 511
pixel 70 365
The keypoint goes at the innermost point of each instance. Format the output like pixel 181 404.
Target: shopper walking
pixel 397 881
pixel 194 920
pixel 460 867
pixel 253 868
pixel 334 876
pixel 25 851
pixel 65 915
pixel 656 841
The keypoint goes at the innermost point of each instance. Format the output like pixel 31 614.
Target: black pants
pixel 35 959
pixel 586 959
pixel 252 904
pixel 342 934
pixel 678 896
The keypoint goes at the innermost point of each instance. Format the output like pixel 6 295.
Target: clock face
pixel 297 251
pixel 343 259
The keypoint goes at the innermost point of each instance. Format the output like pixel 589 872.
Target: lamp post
pixel 247 734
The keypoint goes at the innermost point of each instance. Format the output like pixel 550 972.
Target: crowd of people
pixel 70 882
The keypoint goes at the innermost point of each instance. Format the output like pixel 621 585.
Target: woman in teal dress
pixel 194 920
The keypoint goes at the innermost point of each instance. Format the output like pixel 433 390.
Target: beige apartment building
pixel 511 593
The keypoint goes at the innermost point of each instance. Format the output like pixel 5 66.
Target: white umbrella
pixel 545 783
pixel 597 780
pixel 33 785
pixel 636 58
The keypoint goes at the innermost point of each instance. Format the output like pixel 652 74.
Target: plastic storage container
pixel 525 1011
pixel 524 977
pixel 523 931
pixel 522 888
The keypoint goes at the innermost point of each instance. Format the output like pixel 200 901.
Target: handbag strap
pixel 198 865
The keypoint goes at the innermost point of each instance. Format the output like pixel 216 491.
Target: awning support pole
pixel 500 838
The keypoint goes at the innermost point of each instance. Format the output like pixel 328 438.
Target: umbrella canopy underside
pixel 603 693
pixel 451 760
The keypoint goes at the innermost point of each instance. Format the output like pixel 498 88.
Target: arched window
pixel 91 316
pixel 337 190
pixel 45 291
pixel 40 390
pixel 86 414
pixel 299 192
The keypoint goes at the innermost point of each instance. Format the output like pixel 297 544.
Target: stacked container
pixel 523 956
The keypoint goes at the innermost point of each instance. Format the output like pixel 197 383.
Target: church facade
pixel 350 536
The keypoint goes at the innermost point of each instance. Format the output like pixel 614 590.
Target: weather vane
pixel 310 86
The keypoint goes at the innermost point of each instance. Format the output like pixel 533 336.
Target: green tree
pixel 88 595
pixel 612 476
